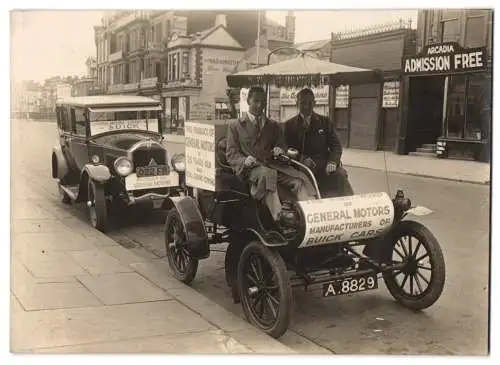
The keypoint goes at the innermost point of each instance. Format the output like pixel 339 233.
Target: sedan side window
pixel 79 124
pixel 63 120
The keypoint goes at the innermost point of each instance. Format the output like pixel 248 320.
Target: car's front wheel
pixel 420 282
pixel 180 261
pixel 97 206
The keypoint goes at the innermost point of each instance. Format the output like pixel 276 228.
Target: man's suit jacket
pixel 319 142
pixel 244 139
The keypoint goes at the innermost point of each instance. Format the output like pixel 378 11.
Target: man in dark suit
pixel 252 142
pixel 318 145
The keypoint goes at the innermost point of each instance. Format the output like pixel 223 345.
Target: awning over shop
pixel 304 71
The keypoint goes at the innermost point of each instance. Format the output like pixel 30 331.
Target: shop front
pixel 447 101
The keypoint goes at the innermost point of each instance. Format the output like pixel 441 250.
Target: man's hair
pixel 254 90
pixel 305 92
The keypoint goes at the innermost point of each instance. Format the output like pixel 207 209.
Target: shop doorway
pixel 425 112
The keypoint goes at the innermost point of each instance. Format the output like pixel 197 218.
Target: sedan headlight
pixel 178 162
pixel 123 166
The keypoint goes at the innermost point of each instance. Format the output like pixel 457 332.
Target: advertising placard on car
pixel 346 218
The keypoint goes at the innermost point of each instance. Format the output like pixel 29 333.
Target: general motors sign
pixel 445 58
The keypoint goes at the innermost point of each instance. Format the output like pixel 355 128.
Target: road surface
pixel 368 323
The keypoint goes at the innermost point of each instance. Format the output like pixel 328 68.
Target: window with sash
pixel 475 28
pixel 450 30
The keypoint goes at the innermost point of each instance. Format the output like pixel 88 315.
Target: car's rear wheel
pixel 264 289
pixel 97 206
pixel 419 284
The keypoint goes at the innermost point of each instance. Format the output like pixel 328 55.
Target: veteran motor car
pixel 342 244
pixel 110 155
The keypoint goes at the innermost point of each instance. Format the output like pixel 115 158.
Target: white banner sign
pixel 350 218
pixel 200 155
pixel 132 182
pixel 102 126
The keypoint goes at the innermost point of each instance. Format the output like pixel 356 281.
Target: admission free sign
pixel 445 58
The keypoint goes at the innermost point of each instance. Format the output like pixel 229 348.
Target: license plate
pixel 352 284
pixel 143 171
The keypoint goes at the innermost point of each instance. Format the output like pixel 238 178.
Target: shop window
pixel 475 32
pixel 455 113
pixel 475 122
pixel 466 103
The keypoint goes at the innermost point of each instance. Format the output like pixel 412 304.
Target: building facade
pixel 358 124
pixel 180 58
pixel 196 77
pixel 447 91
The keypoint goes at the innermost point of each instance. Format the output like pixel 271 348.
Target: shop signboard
pixel 445 58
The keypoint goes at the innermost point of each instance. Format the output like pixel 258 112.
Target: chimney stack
pixel 220 19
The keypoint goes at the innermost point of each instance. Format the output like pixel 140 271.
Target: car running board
pixel 71 190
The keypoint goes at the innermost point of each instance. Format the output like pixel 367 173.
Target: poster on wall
pixel 342 97
pixel 391 95
pixel 288 96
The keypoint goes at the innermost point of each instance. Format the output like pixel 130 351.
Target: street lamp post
pixel 268 94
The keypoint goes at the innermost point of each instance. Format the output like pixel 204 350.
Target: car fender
pixel 98 173
pixel 193 222
pixel 267 238
pixel 419 211
pixel 59 164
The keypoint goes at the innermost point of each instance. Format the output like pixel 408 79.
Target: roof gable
pixel 218 36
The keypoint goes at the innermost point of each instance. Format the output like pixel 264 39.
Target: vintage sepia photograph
pixel 251 181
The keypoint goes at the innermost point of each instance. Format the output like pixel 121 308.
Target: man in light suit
pixel 252 143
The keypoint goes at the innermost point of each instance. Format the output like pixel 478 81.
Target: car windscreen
pixel 109 120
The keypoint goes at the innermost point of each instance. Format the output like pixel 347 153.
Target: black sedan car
pixel 110 155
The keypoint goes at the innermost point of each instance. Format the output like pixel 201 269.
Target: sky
pixel 52 43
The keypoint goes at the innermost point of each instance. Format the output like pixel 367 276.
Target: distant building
pixel 26 99
pixel 83 86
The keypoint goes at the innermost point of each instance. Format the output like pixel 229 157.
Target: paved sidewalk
pixel 448 169
pixel 433 167
pixel 74 290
